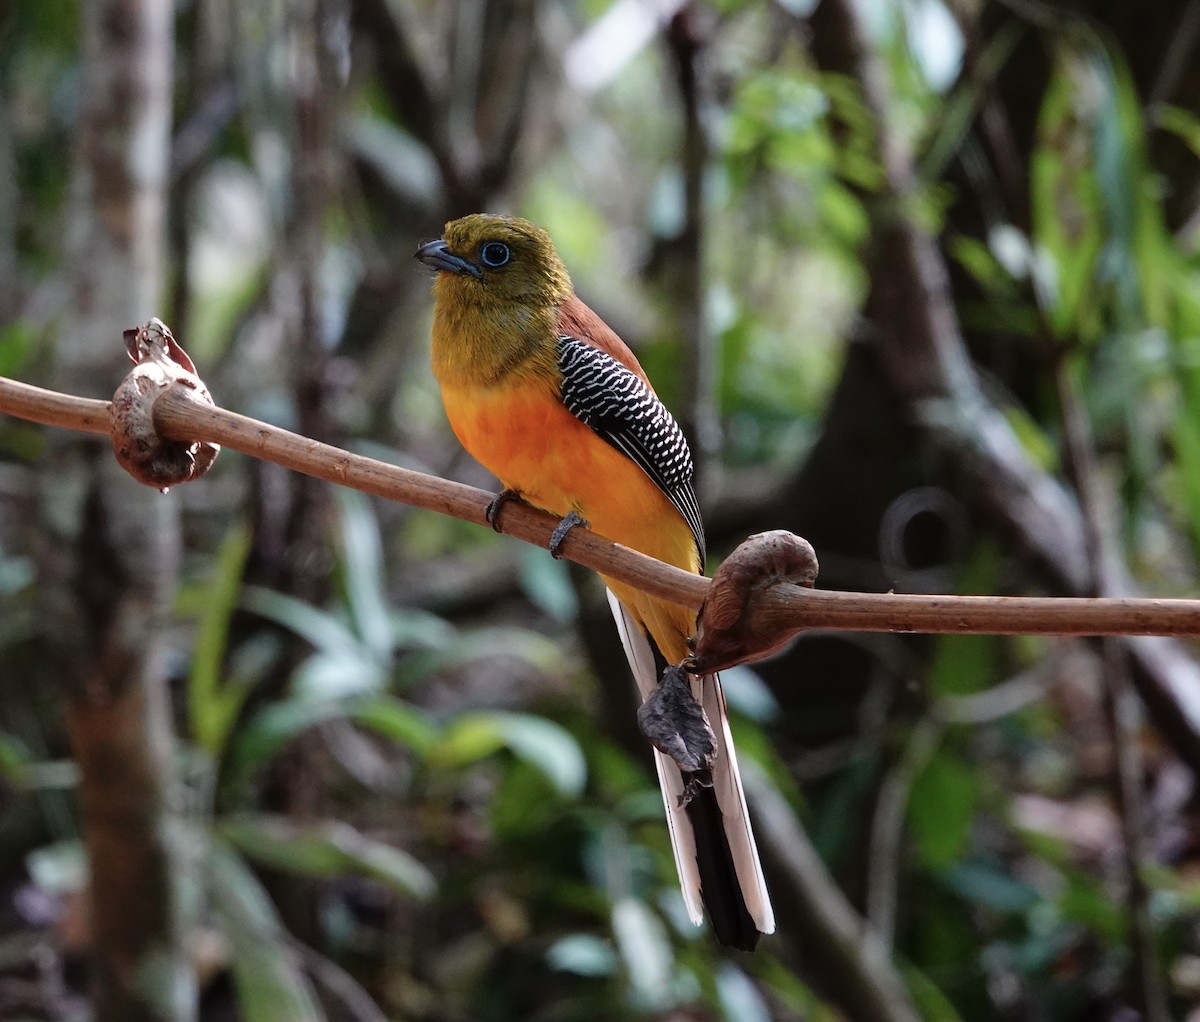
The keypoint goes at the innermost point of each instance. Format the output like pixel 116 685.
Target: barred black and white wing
pixel 618 406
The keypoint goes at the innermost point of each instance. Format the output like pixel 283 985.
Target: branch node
pixel 732 627
pixel 160 363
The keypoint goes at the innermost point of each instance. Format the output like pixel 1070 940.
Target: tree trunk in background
pixel 111 566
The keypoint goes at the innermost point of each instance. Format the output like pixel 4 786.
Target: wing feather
pixel 620 408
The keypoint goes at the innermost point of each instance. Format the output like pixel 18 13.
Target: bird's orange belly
pixel 533 444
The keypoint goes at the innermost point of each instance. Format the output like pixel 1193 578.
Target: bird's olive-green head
pixel 490 259
pixel 498 287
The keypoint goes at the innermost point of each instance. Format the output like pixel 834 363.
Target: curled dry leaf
pixel 159 363
pixel 735 625
pixel 676 724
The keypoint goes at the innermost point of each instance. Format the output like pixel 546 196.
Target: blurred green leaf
pixel 271 983
pixel 17 342
pixel 322 630
pixel 978 259
pixel 213 705
pixel 269 731
pixel 547 583
pixel 932 1004
pixel 335 675
pixel 941 808
pixel 1186 437
pixel 1184 124
pixel 991 885
pixel 790 991
pixel 49 775
pixel 362 569
pixel 1087 900
pixel 538 741
pixel 645 953
pixel 420 629
pixel 748 694
pixel 14 758
pixel 740 999
pixel 1067 224
pixel 584 954
pixel 525 805
pixel 393 153
pixel 960 112
pixel 327 849
pixel 400 722
pixel 963 663
pixel 842 817
pixel 541 652
pixel 1032 437
pixel 266 734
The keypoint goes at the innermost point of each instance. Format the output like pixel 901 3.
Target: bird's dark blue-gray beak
pixel 437 255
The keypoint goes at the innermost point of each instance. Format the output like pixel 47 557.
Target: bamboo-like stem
pixel 790 606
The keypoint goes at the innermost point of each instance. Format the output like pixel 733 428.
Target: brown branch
pixel 108 564
pixel 778 609
pixel 50 408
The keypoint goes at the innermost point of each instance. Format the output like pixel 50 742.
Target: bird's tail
pixel 715 853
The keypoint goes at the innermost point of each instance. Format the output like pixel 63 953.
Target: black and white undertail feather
pixel 617 406
pixel 713 844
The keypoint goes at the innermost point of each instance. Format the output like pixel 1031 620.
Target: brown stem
pixel 783 607
pixel 50 408
pixel 107 560
pixel 852 967
pixel 1120 715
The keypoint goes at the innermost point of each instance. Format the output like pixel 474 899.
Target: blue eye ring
pixel 494 254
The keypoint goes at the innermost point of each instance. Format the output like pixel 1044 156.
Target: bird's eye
pixel 495 253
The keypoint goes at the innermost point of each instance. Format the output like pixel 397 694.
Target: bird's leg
pixel 676 724
pixel 572 519
pixel 496 505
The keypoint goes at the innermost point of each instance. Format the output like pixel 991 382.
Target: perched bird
pixel 550 399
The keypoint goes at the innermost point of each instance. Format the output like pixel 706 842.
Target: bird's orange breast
pixel 521 431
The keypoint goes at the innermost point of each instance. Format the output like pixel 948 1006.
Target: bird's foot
pixel 496 505
pixel 572 519
pixel 693 784
pixel 676 724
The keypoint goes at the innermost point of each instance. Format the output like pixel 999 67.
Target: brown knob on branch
pixel 735 623
pixel 159 364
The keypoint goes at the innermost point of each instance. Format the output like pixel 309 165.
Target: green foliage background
pixel 405 762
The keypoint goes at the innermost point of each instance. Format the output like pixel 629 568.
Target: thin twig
pixel 829 931
pixel 887 828
pixel 50 408
pixel 179 418
pixel 1120 715
pixel 1006 698
pixel 887 825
